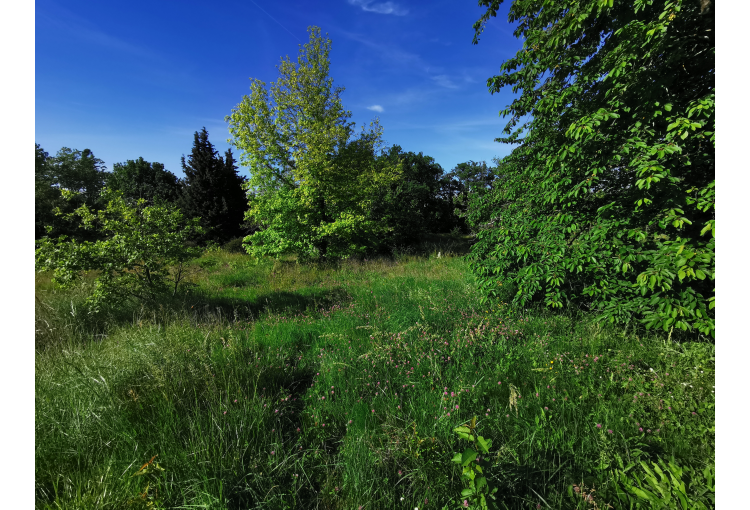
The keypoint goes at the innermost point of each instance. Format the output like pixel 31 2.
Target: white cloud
pixel 376 108
pixel 380 7
pixel 444 81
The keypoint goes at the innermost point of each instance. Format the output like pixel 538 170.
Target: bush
pixel 234 246
pixel 141 256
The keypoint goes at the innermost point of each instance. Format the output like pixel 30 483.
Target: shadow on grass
pixel 66 321
pixel 206 307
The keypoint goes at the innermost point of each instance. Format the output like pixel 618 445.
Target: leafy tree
pixel 46 197
pixel 213 190
pixel 471 179
pixel 608 201
pixel 73 170
pixel 140 255
pixel 138 179
pixel 312 184
pixel 411 206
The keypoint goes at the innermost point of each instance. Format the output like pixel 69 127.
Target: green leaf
pixel 468 456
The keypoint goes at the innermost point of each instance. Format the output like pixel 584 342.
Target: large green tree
pixel 140 179
pixel 213 190
pixel 608 201
pixel 312 183
pixel 411 206
pixel 72 170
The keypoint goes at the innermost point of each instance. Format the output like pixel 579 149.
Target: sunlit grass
pixel 278 385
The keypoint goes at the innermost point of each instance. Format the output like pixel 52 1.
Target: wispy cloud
pixel 444 81
pixel 392 54
pixel 380 7
pixel 376 108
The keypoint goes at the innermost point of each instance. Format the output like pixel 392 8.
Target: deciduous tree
pixel 608 201
pixel 312 183
pixel 138 179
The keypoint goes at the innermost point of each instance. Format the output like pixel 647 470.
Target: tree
pixel 213 190
pixel 472 179
pixel 140 254
pixel 73 170
pixel 608 200
pixel 138 179
pixel 411 205
pixel 311 186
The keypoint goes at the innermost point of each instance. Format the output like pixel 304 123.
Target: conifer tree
pixel 213 190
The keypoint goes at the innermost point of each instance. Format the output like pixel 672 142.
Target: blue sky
pixel 137 79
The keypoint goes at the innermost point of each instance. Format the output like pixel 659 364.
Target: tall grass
pixel 278 385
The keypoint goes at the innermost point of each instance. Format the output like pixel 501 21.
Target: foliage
pixel 72 170
pixel 411 206
pixel 477 490
pixel 312 185
pixel 141 256
pixel 213 191
pixel 138 179
pixel 234 246
pixel 470 179
pixel 664 485
pixel 608 201
pixel 151 473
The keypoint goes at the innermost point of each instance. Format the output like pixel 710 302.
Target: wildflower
pixel 610 431
pixel 598 425
pixel 225 412
pixel 546 408
pixel 466 503
pixel 273 452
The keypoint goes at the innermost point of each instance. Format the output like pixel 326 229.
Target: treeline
pixel 425 199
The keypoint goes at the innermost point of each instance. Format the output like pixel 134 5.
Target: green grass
pixel 276 385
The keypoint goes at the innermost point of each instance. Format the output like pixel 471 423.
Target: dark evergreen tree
pixel 141 179
pixel 213 191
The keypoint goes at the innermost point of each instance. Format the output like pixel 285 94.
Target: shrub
pixel 141 256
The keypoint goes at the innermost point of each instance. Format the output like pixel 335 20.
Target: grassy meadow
pixel 276 385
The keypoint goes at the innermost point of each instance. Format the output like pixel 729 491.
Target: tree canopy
pixel 138 179
pixel 312 183
pixel 73 170
pixel 608 201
